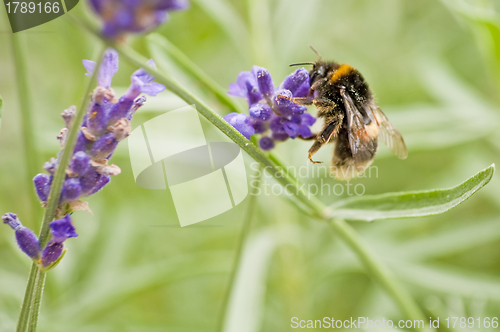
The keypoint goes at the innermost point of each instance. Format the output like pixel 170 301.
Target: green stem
pixel 378 269
pixel 26 107
pixel 239 250
pixel 22 322
pixel 36 281
pixel 319 210
pixel 36 300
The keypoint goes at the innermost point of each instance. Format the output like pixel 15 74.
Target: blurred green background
pixel 435 69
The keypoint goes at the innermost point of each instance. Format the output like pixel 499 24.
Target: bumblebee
pixel 352 120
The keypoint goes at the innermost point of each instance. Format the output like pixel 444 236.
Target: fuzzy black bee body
pixel 352 120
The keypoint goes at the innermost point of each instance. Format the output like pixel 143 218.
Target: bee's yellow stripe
pixel 343 70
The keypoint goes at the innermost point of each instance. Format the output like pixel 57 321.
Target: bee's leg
pixel 314 148
pixel 331 129
pixel 325 107
pixel 308 138
pixel 306 101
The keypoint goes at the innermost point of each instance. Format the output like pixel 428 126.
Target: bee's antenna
pixel 301 63
pixel 317 53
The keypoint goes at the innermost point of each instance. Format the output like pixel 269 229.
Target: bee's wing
pixel 362 143
pixel 390 135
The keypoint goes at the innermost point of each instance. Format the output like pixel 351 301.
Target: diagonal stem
pixel 377 269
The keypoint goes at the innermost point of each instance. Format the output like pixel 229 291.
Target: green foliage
pixel 410 204
pixel 133 269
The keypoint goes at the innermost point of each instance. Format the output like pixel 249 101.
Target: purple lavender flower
pixel 242 123
pixel 142 81
pixel 42 186
pixel 106 123
pixel 266 143
pixel 80 163
pixel 102 180
pixel 272 110
pixel 246 87
pixel 26 239
pixel 88 181
pixel 107 70
pixel 71 190
pixel 51 253
pixel 61 230
pixel 122 16
pixel 264 81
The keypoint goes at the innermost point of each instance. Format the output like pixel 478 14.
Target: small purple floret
pixel 103 146
pixel 266 143
pixel 260 111
pixel 120 110
pixel 42 186
pixel 101 182
pixel 26 239
pixel 264 81
pixel 297 83
pixel 71 190
pixel 142 82
pixel 80 163
pixel 242 123
pixel 108 68
pixel 246 87
pixel 51 253
pixel 62 229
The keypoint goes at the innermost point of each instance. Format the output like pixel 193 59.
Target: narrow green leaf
pixel 410 204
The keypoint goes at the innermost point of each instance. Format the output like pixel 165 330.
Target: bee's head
pixel 319 69
pixel 318 72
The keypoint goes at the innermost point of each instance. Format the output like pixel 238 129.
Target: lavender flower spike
pixel 135 16
pixel 272 109
pixel 106 123
pixel 26 239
